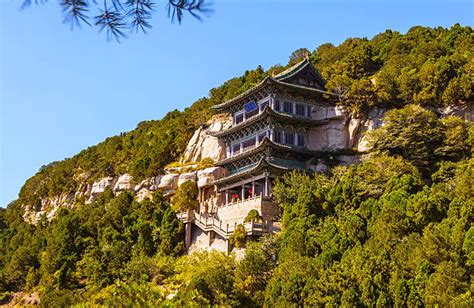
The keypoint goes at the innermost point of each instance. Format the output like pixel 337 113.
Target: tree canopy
pixel 117 17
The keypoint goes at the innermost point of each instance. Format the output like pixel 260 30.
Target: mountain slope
pixel 395 230
pixel 431 67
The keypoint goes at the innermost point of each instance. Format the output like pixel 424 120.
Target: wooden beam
pixel 241 182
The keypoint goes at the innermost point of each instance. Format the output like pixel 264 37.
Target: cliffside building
pixel 277 126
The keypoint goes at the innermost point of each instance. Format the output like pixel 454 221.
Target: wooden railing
pixel 239 202
pixel 210 223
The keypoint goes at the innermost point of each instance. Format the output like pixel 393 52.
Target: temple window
pixel 289 138
pixel 236 148
pixel 300 109
pixel 277 136
pixel 239 118
pixel 250 114
pixel 277 105
pixel 301 140
pixel 248 143
pixel 288 107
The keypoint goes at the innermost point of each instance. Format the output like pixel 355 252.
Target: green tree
pixel 117 15
pixel 412 132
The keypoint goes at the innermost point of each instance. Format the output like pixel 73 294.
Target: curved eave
pixel 297 68
pixel 262 146
pixel 232 101
pixel 310 90
pixel 267 81
pixel 262 164
pixel 269 112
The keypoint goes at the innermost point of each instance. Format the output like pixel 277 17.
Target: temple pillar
pixel 210 237
pixel 226 196
pixel 253 188
pixel 265 191
pixel 243 192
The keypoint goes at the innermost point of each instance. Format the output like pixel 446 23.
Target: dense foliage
pixel 119 18
pixel 429 67
pixel 92 247
pixel 395 230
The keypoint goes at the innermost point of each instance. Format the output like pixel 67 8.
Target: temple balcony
pixel 279 104
pixel 225 228
pixel 282 136
pixel 235 212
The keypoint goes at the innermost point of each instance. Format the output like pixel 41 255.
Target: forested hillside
pixel 395 230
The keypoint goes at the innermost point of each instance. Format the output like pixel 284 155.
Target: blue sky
pixel 62 91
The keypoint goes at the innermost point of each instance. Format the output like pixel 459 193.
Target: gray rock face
pixel 203 145
pixel 169 182
pixel 358 127
pixel 100 185
pixel 207 176
pixel 48 207
pixel 124 182
pixel 341 132
pixel 143 194
pixel 465 111
pixel 185 177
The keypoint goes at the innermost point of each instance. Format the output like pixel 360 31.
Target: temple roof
pixel 262 146
pixel 262 165
pixel 303 67
pixel 269 112
pixel 270 81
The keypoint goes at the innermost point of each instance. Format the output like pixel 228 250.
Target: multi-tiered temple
pixel 269 134
pixel 276 127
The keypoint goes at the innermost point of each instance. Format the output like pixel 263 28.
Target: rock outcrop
pixel 124 182
pixel 88 193
pixel 202 145
pixel 169 182
pixel 185 177
pixel 99 187
pixel 207 176
pixel 48 207
pixel 342 131
pixel 357 128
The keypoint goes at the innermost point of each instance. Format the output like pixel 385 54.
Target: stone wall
pixel 200 241
pixel 236 213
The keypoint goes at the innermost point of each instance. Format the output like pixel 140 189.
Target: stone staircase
pixel 210 223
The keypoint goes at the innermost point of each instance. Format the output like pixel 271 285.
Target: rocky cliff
pixel 202 145
pixel 343 131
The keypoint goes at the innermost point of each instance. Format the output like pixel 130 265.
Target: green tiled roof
pixel 269 112
pixel 262 146
pixel 262 164
pixel 265 82
pixel 295 69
